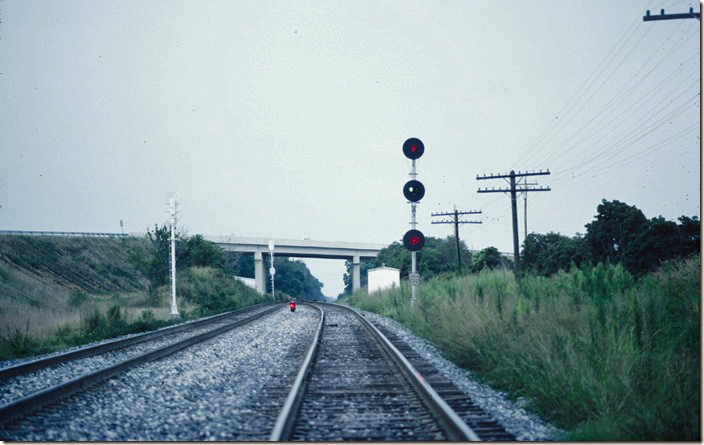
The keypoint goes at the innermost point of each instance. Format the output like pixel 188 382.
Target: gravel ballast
pixel 25 385
pixel 208 391
pixel 515 419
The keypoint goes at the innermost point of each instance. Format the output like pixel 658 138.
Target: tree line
pixel 619 234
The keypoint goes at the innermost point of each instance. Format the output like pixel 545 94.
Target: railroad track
pixel 29 386
pixel 484 425
pixel 355 385
pixel 322 373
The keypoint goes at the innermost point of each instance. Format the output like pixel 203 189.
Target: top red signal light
pixel 413 148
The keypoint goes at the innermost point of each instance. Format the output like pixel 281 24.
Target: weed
pixel 77 299
pixel 597 352
pixel 18 343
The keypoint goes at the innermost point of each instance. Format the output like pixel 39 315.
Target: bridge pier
pixel 259 273
pixel 356 274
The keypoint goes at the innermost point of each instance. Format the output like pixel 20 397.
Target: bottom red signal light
pixel 414 240
pixel 292 306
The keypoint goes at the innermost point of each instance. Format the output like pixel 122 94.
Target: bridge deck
pixel 299 248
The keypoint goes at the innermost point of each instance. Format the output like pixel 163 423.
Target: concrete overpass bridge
pixel 298 249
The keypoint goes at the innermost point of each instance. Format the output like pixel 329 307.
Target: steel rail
pixel 30 366
pixel 448 420
pixel 453 425
pixel 282 427
pixel 41 398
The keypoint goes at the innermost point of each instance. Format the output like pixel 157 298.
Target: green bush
pixel 213 290
pixel 19 344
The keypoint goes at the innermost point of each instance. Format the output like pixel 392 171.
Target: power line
pixel 577 96
pixel 611 106
pixel 603 113
pixel 627 140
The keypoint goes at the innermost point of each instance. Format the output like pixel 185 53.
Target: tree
pixel 489 257
pixel 663 240
pixel 197 251
pixel 622 234
pixel 613 235
pixel 546 254
pixel 240 264
pixel 292 277
pixel 158 262
pixel 691 229
pixel 295 279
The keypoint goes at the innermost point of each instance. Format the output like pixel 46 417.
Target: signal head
pixel 413 148
pixel 414 190
pixel 414 240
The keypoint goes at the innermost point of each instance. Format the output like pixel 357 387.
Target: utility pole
pixel 457 223
pixel 691 15
pixel 525 207
pixel 514 213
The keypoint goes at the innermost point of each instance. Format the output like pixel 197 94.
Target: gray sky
pixel 285 119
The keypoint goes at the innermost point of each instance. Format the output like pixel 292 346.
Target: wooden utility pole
pixel 514 212
pixel 525 207
pixel 457 223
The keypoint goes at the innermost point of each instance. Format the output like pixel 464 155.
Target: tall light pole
pixel 174 308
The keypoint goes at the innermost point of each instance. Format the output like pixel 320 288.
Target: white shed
pixel 382 278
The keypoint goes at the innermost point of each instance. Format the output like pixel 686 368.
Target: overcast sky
pixel 285 119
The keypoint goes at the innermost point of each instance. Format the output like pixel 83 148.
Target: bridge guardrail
pixel 47 233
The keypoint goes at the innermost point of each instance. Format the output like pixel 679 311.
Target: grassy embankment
pixel 61 292
pixel 594 351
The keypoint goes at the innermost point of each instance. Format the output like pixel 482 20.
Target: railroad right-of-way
pixel 321 373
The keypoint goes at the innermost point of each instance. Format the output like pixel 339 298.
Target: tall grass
pixel 594 351
pixel 201 291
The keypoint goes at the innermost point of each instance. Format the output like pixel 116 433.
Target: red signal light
pixel 292 306
pixel 414 240
pixel 413 148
